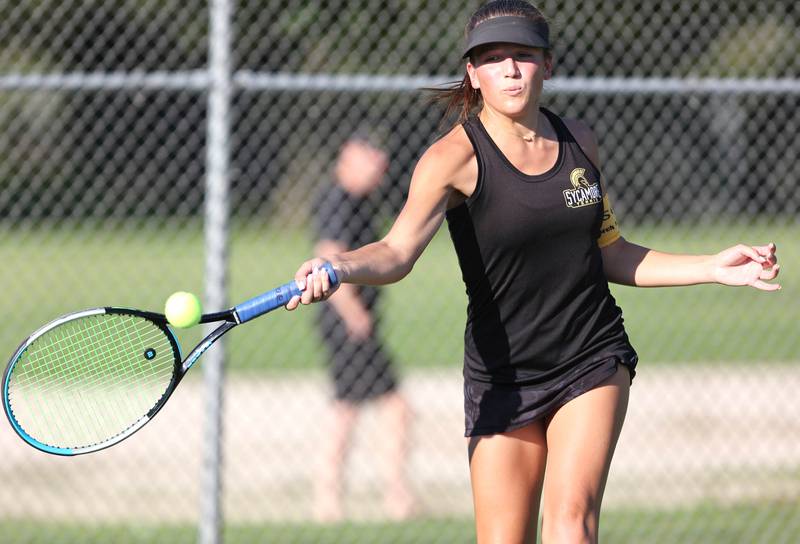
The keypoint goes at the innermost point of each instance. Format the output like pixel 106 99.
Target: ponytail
pixel 459 100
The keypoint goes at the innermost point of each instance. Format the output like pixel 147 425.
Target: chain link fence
pixel 105 150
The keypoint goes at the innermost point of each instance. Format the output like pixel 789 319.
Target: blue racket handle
pixel 275 298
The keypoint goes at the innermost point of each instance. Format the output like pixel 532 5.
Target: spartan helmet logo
pixel 578 179
pixel 583 192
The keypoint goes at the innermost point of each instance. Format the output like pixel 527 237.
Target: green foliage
pixel 762 47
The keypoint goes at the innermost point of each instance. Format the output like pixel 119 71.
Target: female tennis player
pixel 547 362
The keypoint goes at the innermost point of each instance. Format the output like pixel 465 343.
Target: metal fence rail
pixel 254 81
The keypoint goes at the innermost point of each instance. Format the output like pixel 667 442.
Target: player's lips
pixel 513 91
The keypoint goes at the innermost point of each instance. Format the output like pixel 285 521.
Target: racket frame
pixel 230 318
pixel 157 319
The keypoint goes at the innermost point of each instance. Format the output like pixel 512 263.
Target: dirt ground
pixel 693 433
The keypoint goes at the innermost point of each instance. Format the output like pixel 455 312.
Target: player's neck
pixel 526 128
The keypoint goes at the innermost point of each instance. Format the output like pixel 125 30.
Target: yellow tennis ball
pixel 183 310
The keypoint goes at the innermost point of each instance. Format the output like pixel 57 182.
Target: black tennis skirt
pixel 498 408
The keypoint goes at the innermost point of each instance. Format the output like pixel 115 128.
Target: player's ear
pixel 548 65
pixel 473 75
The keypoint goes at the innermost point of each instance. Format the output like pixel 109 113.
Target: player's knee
pixel 572 522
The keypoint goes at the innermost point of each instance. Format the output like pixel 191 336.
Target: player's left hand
pixel 748 265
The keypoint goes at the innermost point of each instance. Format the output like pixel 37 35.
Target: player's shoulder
pixel 585 137
pixel 449 155
pixel 579 128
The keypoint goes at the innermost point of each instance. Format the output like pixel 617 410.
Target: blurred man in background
pixel 345 214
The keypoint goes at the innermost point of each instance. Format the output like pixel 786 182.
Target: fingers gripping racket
pixel 91 379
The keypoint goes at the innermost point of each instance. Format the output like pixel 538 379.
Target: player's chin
pixel 515 107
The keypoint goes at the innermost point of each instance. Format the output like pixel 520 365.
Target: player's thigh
pixel 507 472
pixel 581 437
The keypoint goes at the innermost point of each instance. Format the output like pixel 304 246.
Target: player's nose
pixel 510 66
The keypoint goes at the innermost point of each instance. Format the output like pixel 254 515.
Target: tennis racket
pixel 90 379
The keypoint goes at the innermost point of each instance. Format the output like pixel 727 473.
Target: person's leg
pixel 581 437
pixel 507 472
pixel 399 500
pixel 329 482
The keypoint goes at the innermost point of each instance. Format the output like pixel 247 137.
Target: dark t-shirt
pixel 347 219
pixel 340 216
pixel 361 369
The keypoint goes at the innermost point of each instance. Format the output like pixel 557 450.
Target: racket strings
pixel 99 372
pixel 66 377
pixel 98 368
pixel 88 380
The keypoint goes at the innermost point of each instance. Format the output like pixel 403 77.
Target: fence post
pixel 216 262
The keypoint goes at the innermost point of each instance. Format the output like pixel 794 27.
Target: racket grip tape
pixel 275 298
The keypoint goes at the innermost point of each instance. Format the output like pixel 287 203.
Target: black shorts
pixel 497 408
pixel 361 370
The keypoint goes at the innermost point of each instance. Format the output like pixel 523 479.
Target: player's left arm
pixel 631 264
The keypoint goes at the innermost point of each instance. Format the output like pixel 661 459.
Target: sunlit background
pixel 150 146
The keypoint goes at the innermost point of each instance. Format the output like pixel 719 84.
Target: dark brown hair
pixel 459 98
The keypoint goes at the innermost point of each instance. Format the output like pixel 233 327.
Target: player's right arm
pixel 445 174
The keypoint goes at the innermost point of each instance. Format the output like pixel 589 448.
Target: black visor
pixel 508 29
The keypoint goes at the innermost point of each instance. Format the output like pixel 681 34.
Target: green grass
pixel 426 531
pixel 49 271
pixel 707 524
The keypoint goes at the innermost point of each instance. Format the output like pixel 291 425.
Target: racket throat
pixel 207 342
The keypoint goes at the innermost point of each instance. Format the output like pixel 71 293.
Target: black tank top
pixel 539 301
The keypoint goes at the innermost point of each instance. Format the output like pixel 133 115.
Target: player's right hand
pixel 314 282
